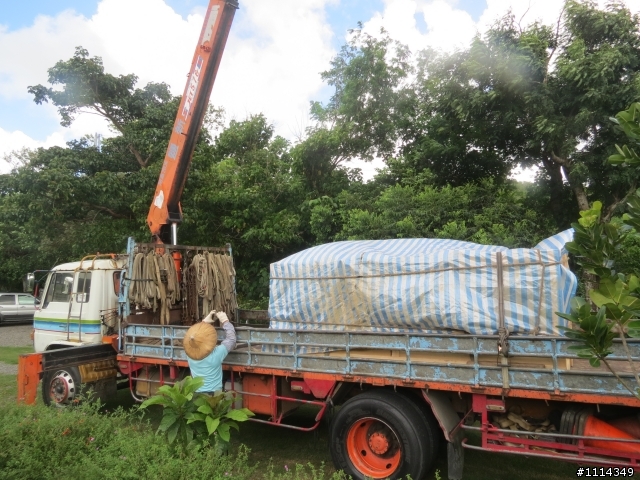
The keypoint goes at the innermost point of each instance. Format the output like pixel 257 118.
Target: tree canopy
pixel 449 127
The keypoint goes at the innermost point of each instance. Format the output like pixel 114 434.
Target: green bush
pixel 192 418
pixel 41 443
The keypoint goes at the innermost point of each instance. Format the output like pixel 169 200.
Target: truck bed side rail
pixel 535 362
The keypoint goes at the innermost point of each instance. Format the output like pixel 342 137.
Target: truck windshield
pixel 60 287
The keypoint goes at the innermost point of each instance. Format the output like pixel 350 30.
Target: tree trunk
pixel 556 188
pixel 578 190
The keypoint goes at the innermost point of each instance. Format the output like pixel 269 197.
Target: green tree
pixel 60 204
pixel 534 96
pixel 539 96
pixel 612 305
pixel 486 213
pixel 245 191
pixel 130 111
pixel 360 120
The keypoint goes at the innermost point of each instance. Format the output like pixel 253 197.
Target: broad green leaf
pixel 165 389
pixel 172 432
pixel 599 299
pixel 223 432
pixel 212 424
pixel 190 384
pixel 577 303
pixel 247 412
pixel 155 400
pixel 206 409
pixel 609 289
pixel 237 415
pixel 168 419
pixel 180 399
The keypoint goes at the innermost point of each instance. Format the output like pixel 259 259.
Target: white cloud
pixel 271 64
pixel 26 54
pixel 16 140
pixel 274 70
pixel 449 28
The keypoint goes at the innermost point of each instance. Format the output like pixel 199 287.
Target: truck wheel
pixel 381 434
pixel 435 436
pixel 60 387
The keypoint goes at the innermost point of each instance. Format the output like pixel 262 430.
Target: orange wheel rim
pixel 373 448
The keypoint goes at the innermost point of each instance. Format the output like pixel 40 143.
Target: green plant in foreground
pixel 613 306
pixel 191 417
pixel 39 442
pixel 615 295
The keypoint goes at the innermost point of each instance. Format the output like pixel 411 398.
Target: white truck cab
pixel 79 303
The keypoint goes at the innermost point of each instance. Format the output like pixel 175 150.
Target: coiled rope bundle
pixel 215 279
pixel 151 289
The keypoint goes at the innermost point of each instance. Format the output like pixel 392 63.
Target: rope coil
pixel 209 278
pixel 154 283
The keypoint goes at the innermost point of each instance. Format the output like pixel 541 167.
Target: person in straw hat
pixel 205 359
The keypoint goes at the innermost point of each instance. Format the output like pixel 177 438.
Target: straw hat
pixel 199 341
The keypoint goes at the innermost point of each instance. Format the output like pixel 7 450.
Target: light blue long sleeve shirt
pixel 210 367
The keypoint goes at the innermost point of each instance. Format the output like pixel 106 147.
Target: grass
pixel 288 447
pixel 276 451
pixel 10 354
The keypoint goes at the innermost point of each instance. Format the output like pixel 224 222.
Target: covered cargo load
pixel 424 285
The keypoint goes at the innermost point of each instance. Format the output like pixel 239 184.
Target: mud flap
pixel 455 457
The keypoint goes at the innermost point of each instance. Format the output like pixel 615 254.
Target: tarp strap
pixel 536 330
pixel 503 332
pixel 417 272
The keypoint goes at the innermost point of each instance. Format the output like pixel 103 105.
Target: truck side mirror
pixel 28 282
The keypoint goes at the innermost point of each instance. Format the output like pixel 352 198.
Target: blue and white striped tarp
pixel 419 285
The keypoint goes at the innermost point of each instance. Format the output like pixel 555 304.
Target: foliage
pixel 85 85
pixel 32 439
pixel 616 295
pixel 247 178
pixel 449 127
pixel 537 95
pixel 87 442
pixel 484 213
pixel 303 472
pixel 191 418
pixel 595 242
pixel 60 204
pixel 362 114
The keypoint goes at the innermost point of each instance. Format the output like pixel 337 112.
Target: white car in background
pixel 17 307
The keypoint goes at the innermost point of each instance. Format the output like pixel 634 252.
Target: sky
pixel 272 62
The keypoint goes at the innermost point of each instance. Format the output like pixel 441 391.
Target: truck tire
pixel 382 434
pixel 439 442
pixel 61 387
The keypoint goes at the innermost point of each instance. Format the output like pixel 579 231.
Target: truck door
pixel 8 311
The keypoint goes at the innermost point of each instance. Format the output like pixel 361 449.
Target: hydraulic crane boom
pixel 165 212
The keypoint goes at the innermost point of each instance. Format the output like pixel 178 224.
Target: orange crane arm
pixel 165 212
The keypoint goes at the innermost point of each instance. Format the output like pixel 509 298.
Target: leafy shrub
pixel 41 443
pixel 192 418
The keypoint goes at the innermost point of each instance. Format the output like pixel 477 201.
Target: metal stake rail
pixel 345 354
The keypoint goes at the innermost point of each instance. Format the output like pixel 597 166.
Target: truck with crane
pixel 395 388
